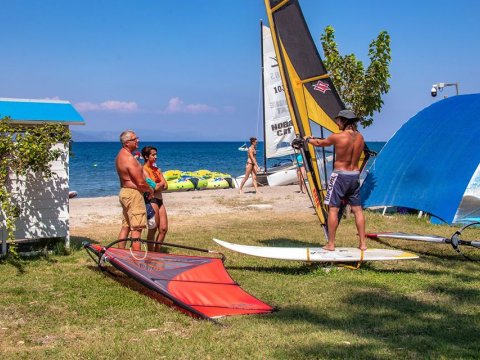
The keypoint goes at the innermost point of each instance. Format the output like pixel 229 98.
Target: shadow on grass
pixel 367 266
pixel 457 293
pixel 283 242
pixel 15 261
pixel 302 269
pixel 392 324
pixel 43 249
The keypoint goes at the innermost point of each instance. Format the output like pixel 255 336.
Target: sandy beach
pixel 182 206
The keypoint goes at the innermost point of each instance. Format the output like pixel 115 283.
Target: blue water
pixel 93 174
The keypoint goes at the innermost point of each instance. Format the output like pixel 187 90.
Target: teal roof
pixel 31 111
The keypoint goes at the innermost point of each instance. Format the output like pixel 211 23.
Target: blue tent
pixel 428 164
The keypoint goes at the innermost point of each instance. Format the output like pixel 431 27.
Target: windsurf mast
pixel 312 99
pixel 455 241
pixel 263 100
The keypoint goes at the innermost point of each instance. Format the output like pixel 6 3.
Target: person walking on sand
pixel 252 166
pixel 133 185
pixel 344 183
pixel 151 171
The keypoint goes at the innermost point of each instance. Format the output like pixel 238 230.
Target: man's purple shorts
pixel 343 186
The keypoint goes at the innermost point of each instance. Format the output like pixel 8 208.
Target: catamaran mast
pixel 263 100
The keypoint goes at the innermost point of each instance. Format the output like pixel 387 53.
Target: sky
pixel 190 70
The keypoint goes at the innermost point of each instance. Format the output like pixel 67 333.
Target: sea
pixel 92 164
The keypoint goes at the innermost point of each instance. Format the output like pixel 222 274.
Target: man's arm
pixel 320 142
pixel 136 174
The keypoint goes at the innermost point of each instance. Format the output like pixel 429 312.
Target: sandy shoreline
pixel 282 199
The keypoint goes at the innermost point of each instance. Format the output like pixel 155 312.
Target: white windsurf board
pixel 317 254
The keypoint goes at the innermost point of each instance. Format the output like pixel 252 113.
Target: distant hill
pixel 94 136
pixel 144 134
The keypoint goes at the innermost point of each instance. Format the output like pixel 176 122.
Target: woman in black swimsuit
pixel 151 171
pixel 252 166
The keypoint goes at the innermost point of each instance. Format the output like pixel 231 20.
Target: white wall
pixel 43 202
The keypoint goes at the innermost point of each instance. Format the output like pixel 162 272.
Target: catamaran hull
pixel 314 254
pixel 261 180
pixel 283 177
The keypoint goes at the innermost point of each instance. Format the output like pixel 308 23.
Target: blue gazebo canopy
pixel 34 111
pixel 429 162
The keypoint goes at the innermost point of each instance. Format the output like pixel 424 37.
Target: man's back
pixel 348 149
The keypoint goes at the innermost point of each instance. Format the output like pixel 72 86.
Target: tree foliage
pixel 360 89
pixel 25 150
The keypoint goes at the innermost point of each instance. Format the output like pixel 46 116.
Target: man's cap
pixel 347 114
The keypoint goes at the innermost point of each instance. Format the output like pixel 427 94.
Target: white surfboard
pixel 317 254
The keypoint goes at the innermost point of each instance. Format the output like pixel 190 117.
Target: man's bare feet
pixel 240 191
pixel 363 247
pixel 329 247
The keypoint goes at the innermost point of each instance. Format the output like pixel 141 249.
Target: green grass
pixel 63 307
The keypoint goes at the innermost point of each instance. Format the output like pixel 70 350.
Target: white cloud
pixel 110 105
pixel 87 106
pixel 229 109
pixel 176 105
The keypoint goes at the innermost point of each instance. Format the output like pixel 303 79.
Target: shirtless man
pixel 133 185
pixel 344 183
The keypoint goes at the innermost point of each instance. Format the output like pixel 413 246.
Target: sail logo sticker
pixel 275 60
pixel 321 86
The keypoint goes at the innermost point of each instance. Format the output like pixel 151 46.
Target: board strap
pixel 354 267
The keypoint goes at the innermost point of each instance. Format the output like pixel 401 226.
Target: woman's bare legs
pixel 162 227
pixel 248 170
pixel 301 179
pixel 151 232
pixel 254 179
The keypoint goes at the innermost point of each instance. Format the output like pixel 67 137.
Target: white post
pixel 3 235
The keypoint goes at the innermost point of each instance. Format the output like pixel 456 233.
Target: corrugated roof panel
pixel 23 110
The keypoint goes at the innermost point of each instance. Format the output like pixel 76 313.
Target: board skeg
pixel 317 254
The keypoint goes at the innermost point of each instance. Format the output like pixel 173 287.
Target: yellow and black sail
pixel 312 98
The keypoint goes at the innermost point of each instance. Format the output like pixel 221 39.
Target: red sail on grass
pixel 198 286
